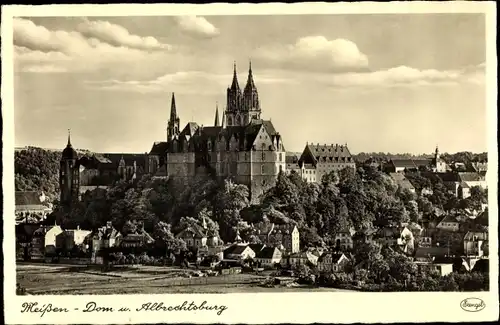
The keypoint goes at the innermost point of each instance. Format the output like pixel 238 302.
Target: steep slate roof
pixel 402 181
pixel 291 159
pixel 326 153
pixel 235 249
pixel 159 148
pixel 257 247
pixel 403 163
pixel 266 252
pixel 197 231
pixel 448 218
pixel 448 177
pixel 334 256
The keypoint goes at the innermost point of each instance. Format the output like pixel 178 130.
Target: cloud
pixel 406 77
pixel 187 82
pixel 316 53
pixel 197 26
pixel 74 52
pixel 46 68
pixel 117 35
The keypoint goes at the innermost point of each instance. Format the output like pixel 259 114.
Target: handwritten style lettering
pixel 92 307
pixel 33 307
pixel 155 306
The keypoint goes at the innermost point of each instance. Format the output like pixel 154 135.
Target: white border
pixel 263 307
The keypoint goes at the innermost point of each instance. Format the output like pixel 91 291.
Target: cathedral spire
pixel 235 84
pixel 250 86
pixel 216 114
pixel 173 109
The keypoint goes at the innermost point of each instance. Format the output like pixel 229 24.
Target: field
pixel 39 279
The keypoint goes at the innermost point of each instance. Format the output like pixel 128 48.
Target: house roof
pixel 305 255
pixel 267 252
pixel 431 251
pixel 403 163
pixel 325 153
pixel 476 235
pixel 448 177
pixel 402 181
pixel 334 256
pixel 470 177
pixel 194 230
pixel 448 218
pixel 291 159
pixel 106 233
pixel 421 162
pixel 236 249
pixel 256 247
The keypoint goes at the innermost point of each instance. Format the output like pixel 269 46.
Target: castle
pixel 241 147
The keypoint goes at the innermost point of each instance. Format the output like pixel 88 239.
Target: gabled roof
pixel 267 252
pixel 470 177
pixel 326 153
pixel 334 256
pixel 106 233
pixel 402 181
pixel 256 247
pixel 448 177
pixel 159 148
pixel 195 231
pixel 448 218
pixel 403 163
pixel 236 249
pixel 474 235
pixel 189 130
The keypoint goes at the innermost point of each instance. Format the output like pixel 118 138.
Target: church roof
pixel 329 153
pixel 159 148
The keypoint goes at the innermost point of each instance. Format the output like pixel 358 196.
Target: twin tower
pixel 241 107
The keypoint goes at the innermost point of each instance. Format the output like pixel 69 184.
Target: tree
pixel 164 238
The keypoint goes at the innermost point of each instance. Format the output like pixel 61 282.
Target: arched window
pixel 229 121
pixel 263 155
pixel 262 169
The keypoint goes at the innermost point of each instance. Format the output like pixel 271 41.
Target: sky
pixel 380 83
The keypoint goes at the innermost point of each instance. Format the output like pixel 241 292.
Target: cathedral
pixel 240 146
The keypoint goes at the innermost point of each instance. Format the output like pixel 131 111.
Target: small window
pixel 262 169
pixel 263 155
pixel 281 157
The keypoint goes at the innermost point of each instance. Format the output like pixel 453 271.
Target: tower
pixel 251 104
pixel 436 154
pixel 234 101
pixel 173 129
pixel 69 175
pixel 122 169
pixel 216 123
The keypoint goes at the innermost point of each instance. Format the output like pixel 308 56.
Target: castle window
pixel 262 169
pixel 281 157
pixel 209 145
pixel 263 155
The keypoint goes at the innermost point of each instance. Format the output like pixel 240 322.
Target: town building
pixel 104 237
pixel 302 258
pixel 402 182
pixel 284 236
pixel 268 257
pixel 238 252
pixel 70 238
pixel 448 223
pixel 343 239
pixel 199 236
pixel 474 243
pixel 43 241
pixel 332 262
pixel 319 160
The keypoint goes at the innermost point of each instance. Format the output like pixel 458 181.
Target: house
pixel 194 236
pixel 292 164
pixel 302 258
pixel 402 182
pixel 448 223
pixel 387 236
pixel 70 238
pixel 31 207
pixel 44 241
pixel 441 265
pixel 426 254
pixel 406 239
pixel 272 234
pixel 139 238
pixel 105 237
pixel 318 160
pixel 239 252
pixel 473 243
pixel 332 262
pixel 343 239
pixel 257 247
pixel 450 180
pixel 425 241
pixel 268 256
pixel 400 165
pixel 463 190
pixel 473 179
